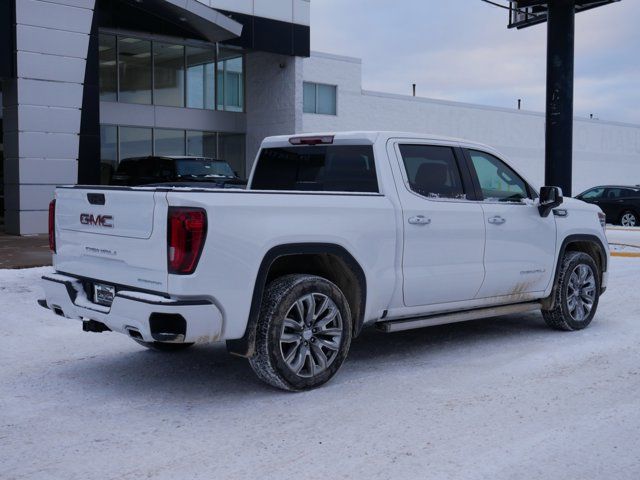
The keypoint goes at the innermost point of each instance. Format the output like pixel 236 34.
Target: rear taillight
pixel 52 226
pixel 187 230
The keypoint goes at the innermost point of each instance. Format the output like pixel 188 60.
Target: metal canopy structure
pixel 560 16
pixel 526 13
pixel 192 16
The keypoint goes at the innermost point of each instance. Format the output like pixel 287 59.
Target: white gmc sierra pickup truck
pixel 336 232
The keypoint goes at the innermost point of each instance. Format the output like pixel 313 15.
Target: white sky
pixel 462 50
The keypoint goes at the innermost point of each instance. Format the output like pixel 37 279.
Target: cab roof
pixel 369 138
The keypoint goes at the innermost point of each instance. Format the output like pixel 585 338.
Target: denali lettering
pixel 105 221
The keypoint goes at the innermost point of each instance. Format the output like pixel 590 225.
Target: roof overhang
pixel 191 15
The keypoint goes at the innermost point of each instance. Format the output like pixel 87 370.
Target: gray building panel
pixel 48 145
pixel 50 94
pixel 35 118
pixel 50 67
pixel 52 42
pixel 58 16
pixel 32 197
pixel 126 114
pixel 30 222
pixel 193 119
pixel 52 170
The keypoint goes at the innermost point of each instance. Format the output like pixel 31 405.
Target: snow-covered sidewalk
pixel 497 399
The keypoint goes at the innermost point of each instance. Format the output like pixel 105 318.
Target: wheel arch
pixel 331 261
pixel 589 244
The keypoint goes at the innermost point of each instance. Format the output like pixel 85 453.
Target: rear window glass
pixel 201 167
pixel 321 168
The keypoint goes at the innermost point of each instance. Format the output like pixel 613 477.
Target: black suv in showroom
pixel 179 171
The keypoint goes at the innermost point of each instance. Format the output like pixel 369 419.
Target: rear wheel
pixel 629 219
pixel 163 347
pixel 303 333
pixel 576 294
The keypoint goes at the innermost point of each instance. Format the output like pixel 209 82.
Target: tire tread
pixel 556 317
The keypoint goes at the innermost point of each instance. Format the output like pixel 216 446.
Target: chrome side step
pixel 390 326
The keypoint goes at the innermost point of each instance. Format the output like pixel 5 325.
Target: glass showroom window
pixel 230 80
pixel 108 152
pixel 201 78
pixel 231 149
pixel 168 74
pixel 319 98
pixel 168 142
pixel 202 144
pixel 108 68
pixel 135 70
pixel 135 142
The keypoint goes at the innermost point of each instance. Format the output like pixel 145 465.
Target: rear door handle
pixel 419 220
pixel 497 220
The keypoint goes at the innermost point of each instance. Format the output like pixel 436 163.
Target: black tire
pixel 163 347
pixel 279 301
pixel 630 218
pixel 561 317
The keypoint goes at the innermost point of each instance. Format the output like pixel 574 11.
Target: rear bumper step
pixel 433 320
pixel 155 318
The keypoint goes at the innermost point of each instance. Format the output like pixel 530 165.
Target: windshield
pixel 202 167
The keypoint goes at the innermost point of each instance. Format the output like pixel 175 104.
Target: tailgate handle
pixel 96 198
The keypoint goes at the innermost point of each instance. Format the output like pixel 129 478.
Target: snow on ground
pixel 624 235
pixel 495 399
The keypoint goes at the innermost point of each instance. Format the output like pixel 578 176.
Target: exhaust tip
pixel 133 333
pixel 94 327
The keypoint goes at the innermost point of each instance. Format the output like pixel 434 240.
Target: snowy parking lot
pixel 501 398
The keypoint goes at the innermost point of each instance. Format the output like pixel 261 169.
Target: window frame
pixel 479 195
pixel 315 109
pixel 468 187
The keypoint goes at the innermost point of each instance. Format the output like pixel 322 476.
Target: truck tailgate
pixel 116 236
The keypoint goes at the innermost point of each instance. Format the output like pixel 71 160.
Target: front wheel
pixel 303 333
pixel 629 219
pixel 576 294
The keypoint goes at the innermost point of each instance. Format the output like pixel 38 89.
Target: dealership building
pixel 86 83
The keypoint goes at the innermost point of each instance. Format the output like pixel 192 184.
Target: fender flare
pixel 244 346
pixel 563 248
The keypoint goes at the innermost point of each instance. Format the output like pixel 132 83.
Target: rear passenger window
pixel 432 171
pixel 319 168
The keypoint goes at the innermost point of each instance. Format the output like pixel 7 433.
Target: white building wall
pixel 604 152
pixel 274 98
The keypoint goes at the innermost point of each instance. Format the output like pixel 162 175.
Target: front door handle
pixel 497 220
pixel 419 220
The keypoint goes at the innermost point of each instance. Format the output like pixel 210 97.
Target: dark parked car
pixel 620 204
pixel 179 171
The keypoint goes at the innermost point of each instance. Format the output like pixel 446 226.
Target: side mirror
pixel 550 198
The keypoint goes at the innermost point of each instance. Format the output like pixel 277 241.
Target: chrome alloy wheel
pixel 311 335
pixel 581 293
pixel 628 220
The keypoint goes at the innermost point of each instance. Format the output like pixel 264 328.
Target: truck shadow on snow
pixel 212 372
